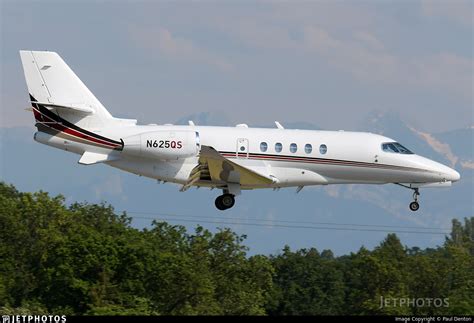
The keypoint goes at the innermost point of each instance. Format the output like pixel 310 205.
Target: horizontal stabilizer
pixel 79 108
pixel 90 158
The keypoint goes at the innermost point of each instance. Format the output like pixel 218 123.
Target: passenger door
pixel 242 149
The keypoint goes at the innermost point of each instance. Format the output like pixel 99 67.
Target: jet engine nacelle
pixel 164 145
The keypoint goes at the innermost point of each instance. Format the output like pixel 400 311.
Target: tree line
pixel 85 259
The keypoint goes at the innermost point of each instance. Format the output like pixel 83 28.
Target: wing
pixel 213 166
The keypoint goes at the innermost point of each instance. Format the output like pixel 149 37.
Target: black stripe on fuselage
pixel 42 109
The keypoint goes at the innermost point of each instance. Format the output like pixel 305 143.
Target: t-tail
pixel 62 105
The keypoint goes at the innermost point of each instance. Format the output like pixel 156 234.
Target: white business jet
pixel 68 116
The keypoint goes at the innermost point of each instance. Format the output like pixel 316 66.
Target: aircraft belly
pixel 57 141
pixel 170 171
pixel 291 174
pixel 357 174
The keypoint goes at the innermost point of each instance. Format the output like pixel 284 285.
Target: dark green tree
pixel 87 259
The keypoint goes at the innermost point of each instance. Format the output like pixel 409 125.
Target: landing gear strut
pixel 225 201
pixel 414 206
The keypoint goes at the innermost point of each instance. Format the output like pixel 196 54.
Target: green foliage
pixel 391 271
pixel 306 284
pixel 86 259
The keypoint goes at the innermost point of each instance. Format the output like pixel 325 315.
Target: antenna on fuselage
pixel 279 126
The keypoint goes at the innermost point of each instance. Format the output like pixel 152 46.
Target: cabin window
pixel 323 149
pixel 308 148
pixel 263 146
pixel 395 147
pixel 293 148
pixel 278 147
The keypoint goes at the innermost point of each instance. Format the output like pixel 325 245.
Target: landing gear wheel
pixel 228 200
pixel 219 204
pixel 414 206
pixel 225 202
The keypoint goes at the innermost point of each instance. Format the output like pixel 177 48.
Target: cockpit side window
pixel 389 147
pixel 402 149
pixel 395 147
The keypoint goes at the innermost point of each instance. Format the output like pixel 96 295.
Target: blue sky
pixel 331 64
pixel 254 61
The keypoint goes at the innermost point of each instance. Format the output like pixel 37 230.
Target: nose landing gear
pixel 414 206
pixel 225 201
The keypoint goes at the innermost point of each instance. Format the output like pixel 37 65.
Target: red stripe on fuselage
pixel 78 134
pixel 319 161
pixel 59 127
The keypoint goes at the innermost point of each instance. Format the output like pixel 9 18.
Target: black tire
pixel 227 200
pixel 219 204
pixel 414 206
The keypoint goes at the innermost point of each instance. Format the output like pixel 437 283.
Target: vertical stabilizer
pixel 51 82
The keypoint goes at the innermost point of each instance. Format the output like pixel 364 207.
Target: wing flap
pixel 223 169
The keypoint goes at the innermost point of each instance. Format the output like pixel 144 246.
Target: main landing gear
pixel 225 201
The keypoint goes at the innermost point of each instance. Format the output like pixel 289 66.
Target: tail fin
pixel 54 85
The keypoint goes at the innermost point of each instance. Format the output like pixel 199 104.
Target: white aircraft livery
pixel 68 116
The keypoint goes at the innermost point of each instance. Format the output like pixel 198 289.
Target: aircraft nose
pixel 448 173
pixel 439 171
pixel 453 175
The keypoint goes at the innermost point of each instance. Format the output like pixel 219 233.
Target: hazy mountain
pixel 209 119
pixel 461 142
pixel 302 125
pixel 205 119
pixel 389 124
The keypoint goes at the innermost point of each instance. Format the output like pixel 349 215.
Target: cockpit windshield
pixel 395 147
